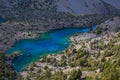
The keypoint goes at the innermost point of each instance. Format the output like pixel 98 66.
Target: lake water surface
pixel 1 20
pixel 50 42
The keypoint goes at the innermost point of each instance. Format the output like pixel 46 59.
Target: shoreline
pixel 41 64
pixel 34 35
pixel 80 40
pixel 59 54
pixel 68 39
pixel 13 29
pixel 77 46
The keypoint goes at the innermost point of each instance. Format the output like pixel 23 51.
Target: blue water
pixel 1 20
pixel 50 42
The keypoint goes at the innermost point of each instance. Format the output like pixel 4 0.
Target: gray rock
pixel 38 8
pixel 88 6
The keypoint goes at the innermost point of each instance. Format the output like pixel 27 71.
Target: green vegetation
pixel 111 71
pixel 75 75
pixel 99 60
pixel 6 69
pixel 98 30
pixel 58 75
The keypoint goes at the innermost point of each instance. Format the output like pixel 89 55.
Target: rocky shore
pixel 87 50
pixel 13 31
pixel 91 56
pixel 68 60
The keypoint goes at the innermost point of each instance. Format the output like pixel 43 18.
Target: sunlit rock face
pixel 88 6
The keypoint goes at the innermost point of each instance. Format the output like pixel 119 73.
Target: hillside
pixel 91 56
pixel 88 6
pixel 26 8
pixel 24 16
pixel 10 9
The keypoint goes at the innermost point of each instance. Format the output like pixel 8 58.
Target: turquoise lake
pixel 50 42
pixel 1 20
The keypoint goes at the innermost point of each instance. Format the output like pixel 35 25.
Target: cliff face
pixel 39 8
pixel 88 6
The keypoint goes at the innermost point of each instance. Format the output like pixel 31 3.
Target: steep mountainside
pixel 39 8
pixel 26 8
pixel 115 3
pixel 88 6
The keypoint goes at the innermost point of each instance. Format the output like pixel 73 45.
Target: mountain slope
pixel 39 8
pixel 115 3
pixel 26 8
pixel 88 6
